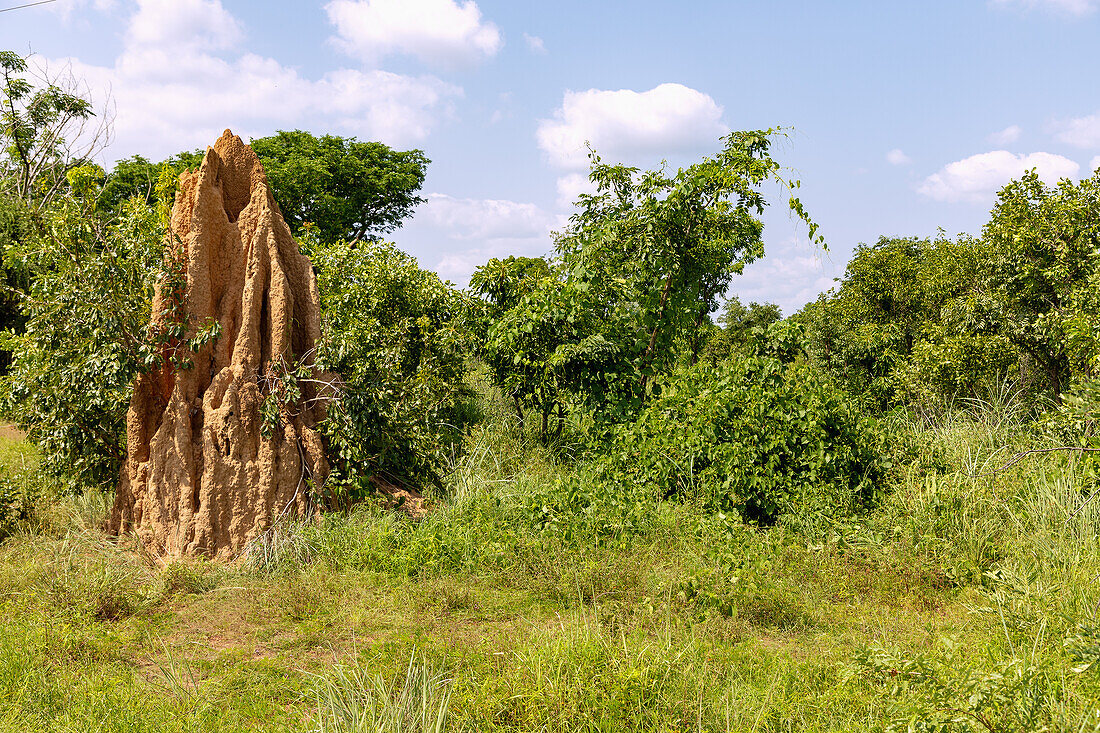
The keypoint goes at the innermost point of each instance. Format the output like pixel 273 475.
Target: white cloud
pixel 64 8
pixel 619 125
pixel 1006 136
pixel 173 93
pixel 1082 132
pixel 897 157
pixel 172 24
pixel 790 275
pixel 440 32
pixel 978 177
pixel 1094 164
pixel 486 219
pixel 487 228
pixel 571 186
pixel 535 44
pixel 1069 7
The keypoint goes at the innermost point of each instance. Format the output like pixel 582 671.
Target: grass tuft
pixel 352 701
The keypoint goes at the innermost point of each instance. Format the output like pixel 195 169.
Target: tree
pixel 344 188
pixel 87 310
pixel 392 331
pixel 1045 249
pixel 737 324
pixel 660 249
pixel 137 176
pixel 16 225
pixel 539 338
pixel 913 319
pixel 866 329
pixel 520 346
pixel 637 273
pixel 45 130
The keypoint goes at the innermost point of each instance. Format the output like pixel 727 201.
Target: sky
pixel 901 117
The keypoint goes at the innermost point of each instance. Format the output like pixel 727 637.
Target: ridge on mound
pixel 200 479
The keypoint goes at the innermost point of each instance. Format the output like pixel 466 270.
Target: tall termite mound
pixel 200 478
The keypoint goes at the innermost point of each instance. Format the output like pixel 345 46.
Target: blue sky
pixel 906 116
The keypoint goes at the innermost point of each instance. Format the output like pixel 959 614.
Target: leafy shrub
pixel 754 435
pixel 391 331
pixel 20 494
pixel 85 339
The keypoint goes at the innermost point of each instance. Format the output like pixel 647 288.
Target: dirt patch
pixel 12 433
pixel 407 500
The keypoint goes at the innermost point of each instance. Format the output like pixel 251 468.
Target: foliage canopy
pixel 344 188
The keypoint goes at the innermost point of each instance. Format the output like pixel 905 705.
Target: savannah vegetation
pixel 654 507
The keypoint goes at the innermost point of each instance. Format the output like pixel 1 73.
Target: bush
pixel 755 435
pixel 391 332
pixel 87 314
pixel 20 494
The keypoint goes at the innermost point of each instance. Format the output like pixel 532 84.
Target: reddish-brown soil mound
pixel 200 478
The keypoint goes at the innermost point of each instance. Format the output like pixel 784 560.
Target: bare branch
pixel 1034 451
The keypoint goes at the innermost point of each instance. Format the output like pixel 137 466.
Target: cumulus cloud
pixel 978 177
pixel 1082 132
pixel 1094 164
pixel 480 229
pixel 64 9
pixel 623 124
pixel 571 186
pixel 486 219
pixel 1068 7
pixel 534 43
pixel 1006 136
pixel 173 24
pixel 172 90
pixel 443 33
pixel 897 157
pixel 790 275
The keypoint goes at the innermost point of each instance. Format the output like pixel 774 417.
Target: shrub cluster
pixel 756 435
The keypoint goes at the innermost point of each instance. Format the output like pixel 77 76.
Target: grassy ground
pixel 961 604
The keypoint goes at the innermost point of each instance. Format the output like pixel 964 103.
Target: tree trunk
pixel 648 358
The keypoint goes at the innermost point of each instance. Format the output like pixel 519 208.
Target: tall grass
pixel 350 700
pixel 967 595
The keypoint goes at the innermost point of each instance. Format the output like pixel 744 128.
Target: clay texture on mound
pixel 199 479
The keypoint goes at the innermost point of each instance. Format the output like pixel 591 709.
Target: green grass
pixel 960 604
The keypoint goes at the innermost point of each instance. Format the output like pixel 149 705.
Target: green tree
pixel 16 225
pixel 346 189
pixel 638 271
pixel 46 129
pixel 1045 250
pixel 520 329
pixel 913 319
pixel 393 332
pixel 87 310
pixel 137 176
pixel 657 249
pixel 737 325
pixel 44 132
